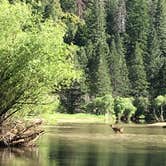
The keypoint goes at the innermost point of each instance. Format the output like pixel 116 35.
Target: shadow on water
pixel 92 145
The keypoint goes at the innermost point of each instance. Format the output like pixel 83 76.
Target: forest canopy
pixel 34 59
pixel 84 51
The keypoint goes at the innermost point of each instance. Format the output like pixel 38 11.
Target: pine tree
pixel 125 83
pixel 137 73
pixel 137 22
pixel 110 16
pixel 118 69
pixel 114 68
pixel 156 48
pixel 103 82
pixel 160 24
pixel 137 32
pixel 161 84
pixel 99 79
pixel 153 61
pixel 51 9
pixel 76 7
pixel 68 6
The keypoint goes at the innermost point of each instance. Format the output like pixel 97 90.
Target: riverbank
pixel 60 118
pixel 159 124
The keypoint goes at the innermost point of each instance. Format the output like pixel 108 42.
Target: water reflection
pixel 98 154
pixel 19 156
pixel 91 146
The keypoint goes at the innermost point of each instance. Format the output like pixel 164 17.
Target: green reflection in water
pixel 94 145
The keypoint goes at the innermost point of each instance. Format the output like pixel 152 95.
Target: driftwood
pixel 20 134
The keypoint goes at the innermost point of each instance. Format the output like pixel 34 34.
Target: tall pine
pixel 137 32
pixel 98 72
pixel 153 61
pixel 138 78
pixel 160 25
pixel 118 69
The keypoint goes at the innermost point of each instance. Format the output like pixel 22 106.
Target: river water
pixel 92 145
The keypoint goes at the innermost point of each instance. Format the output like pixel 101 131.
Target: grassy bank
pixel 59 118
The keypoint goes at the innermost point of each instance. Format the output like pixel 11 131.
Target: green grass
pixel 57 118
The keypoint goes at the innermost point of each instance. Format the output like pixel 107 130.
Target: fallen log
pixel 20 134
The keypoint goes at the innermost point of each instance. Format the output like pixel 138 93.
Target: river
pixel 92 145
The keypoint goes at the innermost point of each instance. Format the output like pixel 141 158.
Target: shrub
pixel 101 105
pixel 124 107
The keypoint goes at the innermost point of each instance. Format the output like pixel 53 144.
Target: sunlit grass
pixel 56 118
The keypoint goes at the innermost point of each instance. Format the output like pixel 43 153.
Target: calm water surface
pixel 92 145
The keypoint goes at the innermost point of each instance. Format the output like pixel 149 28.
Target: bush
pixel 159 108
pixel 142 104
pixel 124 107
pixel 101 105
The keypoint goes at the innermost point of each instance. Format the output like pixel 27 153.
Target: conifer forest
pixel 92 56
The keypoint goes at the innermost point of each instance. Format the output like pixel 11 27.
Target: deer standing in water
pixel 117 129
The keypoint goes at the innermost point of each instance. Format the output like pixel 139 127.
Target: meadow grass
pixel 58 118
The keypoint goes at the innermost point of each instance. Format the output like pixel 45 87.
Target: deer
pixel 117 129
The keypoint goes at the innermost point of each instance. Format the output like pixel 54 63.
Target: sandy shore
pixel 159 124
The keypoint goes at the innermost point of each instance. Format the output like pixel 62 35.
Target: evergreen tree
pixel 156 47
pixel 137 73
pixel 114 69
pixel 125 83
pixel 51 9
pixel 137 21
pixel 99 79
pixel 137 32
pixel 161 84
pixel 160 24
pixel 68 6
pixel 110 16
pixel 118 69
pixel 153 61
pixel 103 82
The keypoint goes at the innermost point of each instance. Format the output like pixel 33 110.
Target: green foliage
pixel 160 100
pixel 98 72
pixel 137 73
pixel 101 105
pixel 124 107
pixel 51 9
pixel 121 50
pixel 159 108
pixel 32 60
pixel 161 77
pixel 130 109
pixel 142 104
pixel 157 50
pixel 103 82
pixel 137 21
pixel 137 32
pixel 68 6
pixel 118 69
pixel 153 61
pixel 119 105
pixel 160 24
pixel 72 98
pixel 72 23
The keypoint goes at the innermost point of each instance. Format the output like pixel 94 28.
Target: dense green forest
pixel 94 56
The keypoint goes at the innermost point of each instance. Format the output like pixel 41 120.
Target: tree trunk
pixel 119 118
pixel 155 116
pixel 161 115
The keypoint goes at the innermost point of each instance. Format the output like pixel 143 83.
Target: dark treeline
pixel 122 51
